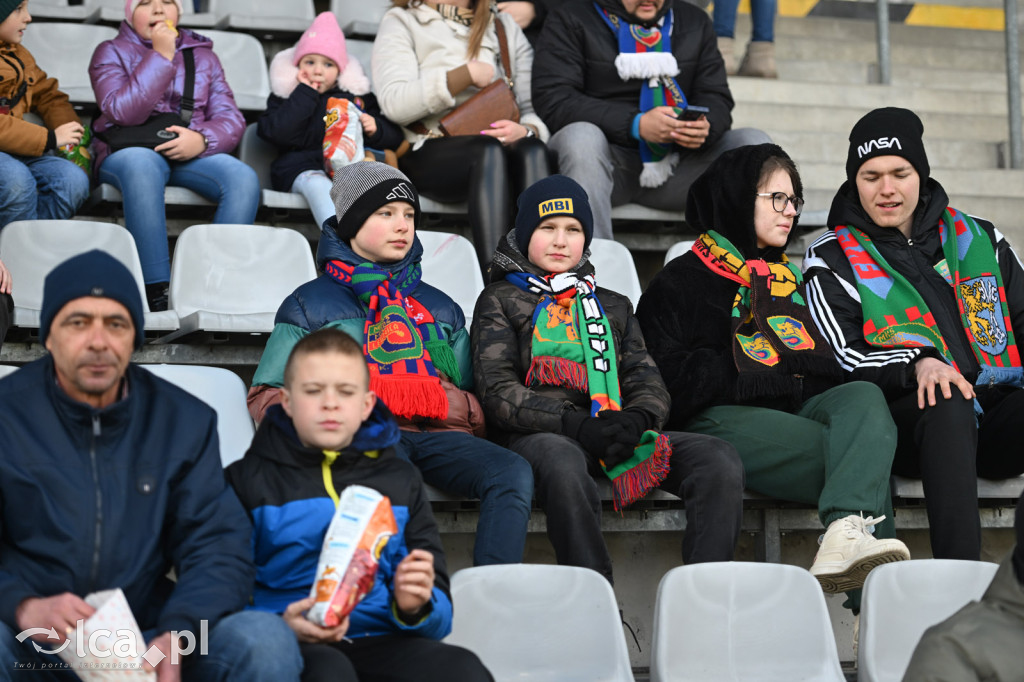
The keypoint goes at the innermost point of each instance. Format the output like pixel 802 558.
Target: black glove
pixel 586 430
pixel 629 424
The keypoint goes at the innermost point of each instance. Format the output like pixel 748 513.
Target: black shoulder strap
pixel 188 102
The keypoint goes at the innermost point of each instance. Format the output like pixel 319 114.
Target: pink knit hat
pixel 130 5
pixel 324 37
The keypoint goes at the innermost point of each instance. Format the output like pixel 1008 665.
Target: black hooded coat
pixel 686 311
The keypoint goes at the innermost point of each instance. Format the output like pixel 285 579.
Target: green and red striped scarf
pixel 573 347
pixel 403 345
pixel 895 315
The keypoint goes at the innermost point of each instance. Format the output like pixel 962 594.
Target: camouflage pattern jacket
pixel 501 340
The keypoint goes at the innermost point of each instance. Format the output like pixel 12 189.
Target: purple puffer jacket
pixel 132 82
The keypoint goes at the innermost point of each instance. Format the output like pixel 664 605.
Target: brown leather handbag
pixel 495 102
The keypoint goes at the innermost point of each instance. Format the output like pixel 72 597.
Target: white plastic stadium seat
pixel 360 17
pixel 540 623
pixel 63 51
pixel 677 249
pixel 222 390
pixel 450 264
pixel 31 248
pixel 264 16
pixel 7 369
pixel 903 599
pixel 232 278
pixel 259 154
pixel 615 268
pixel 245 67
pixel 113 11
pixel 733 621
pixel 62 10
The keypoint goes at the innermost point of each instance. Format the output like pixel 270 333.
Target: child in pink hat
pixel 302 79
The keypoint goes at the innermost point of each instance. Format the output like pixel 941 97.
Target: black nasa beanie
pixel 889 131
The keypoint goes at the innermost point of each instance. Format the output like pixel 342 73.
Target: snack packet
pixel 79 154
pixel 361 527
pixel 105 650
pixel 343 137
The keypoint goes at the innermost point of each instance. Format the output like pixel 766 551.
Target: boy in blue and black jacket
pixel 330 432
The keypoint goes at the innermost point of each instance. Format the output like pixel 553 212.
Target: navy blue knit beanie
pixel 93 273
pixel 7 7
pixel 554 195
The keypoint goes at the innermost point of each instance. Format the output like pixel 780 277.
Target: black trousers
pixel 477 169
pixel 947 447
pixel 391 658
pixel 705 471
pixel 6 315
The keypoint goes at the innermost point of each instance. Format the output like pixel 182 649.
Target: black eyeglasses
pixel 780 199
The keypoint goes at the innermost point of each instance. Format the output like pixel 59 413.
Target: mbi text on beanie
pixel 552 196
pixel 361 188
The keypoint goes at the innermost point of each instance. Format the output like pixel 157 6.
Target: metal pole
pixel 884 57
pixel 1013 84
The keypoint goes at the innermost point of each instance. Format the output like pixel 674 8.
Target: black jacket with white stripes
pixel 835 303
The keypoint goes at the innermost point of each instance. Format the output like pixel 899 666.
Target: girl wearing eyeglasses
pixel 728 325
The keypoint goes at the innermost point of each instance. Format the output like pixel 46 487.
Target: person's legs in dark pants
pixel 708 474
pixel 405 658
pixel 326 663
pixel 939 445
pixel 471 169
pixel 1000 453
pixel 6 315
pixel 460 463
pixel 569 496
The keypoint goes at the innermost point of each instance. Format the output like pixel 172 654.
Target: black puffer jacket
pixel 502 335
pixel 574 75
pixel 830 283
pixel 686 311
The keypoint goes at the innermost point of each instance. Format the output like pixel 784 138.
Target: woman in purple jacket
pixel 140 73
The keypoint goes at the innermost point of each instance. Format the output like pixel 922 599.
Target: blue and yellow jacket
pixel 290 491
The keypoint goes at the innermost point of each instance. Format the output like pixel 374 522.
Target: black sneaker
pixel 156 295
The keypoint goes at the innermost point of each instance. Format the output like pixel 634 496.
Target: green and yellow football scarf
pixel 403 345
pixel 775 341
pixel 895 315
pixel 573 347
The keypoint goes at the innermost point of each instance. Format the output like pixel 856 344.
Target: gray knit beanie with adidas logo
pixel 361 188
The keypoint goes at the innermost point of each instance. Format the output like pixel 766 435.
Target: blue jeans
pixel 459 463
pixel 40 188
pixel 315 186
pixel 762 12
pixel 247 646
pixel 141 174
pixel 610 173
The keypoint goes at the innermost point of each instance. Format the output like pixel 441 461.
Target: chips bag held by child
pixel 343 138
pixel 362 525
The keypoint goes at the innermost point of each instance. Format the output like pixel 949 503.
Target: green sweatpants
pixel 836 452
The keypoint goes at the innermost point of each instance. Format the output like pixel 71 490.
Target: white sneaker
pixel 849 551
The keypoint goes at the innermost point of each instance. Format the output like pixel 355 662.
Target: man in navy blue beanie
pixel 111 478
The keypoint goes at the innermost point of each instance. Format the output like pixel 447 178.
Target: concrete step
pixel 828 28
pixel 790 116
pixel 831 148
pixel 865 97
pixel 933 55
pixel 903 75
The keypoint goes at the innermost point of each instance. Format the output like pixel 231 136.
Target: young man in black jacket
pixel 928 303
pixel 109 478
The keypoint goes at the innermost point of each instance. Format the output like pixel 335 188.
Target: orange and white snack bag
pixel 362 525
pixel 343 135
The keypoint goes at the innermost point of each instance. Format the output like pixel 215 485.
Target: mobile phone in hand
pixel 692 112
